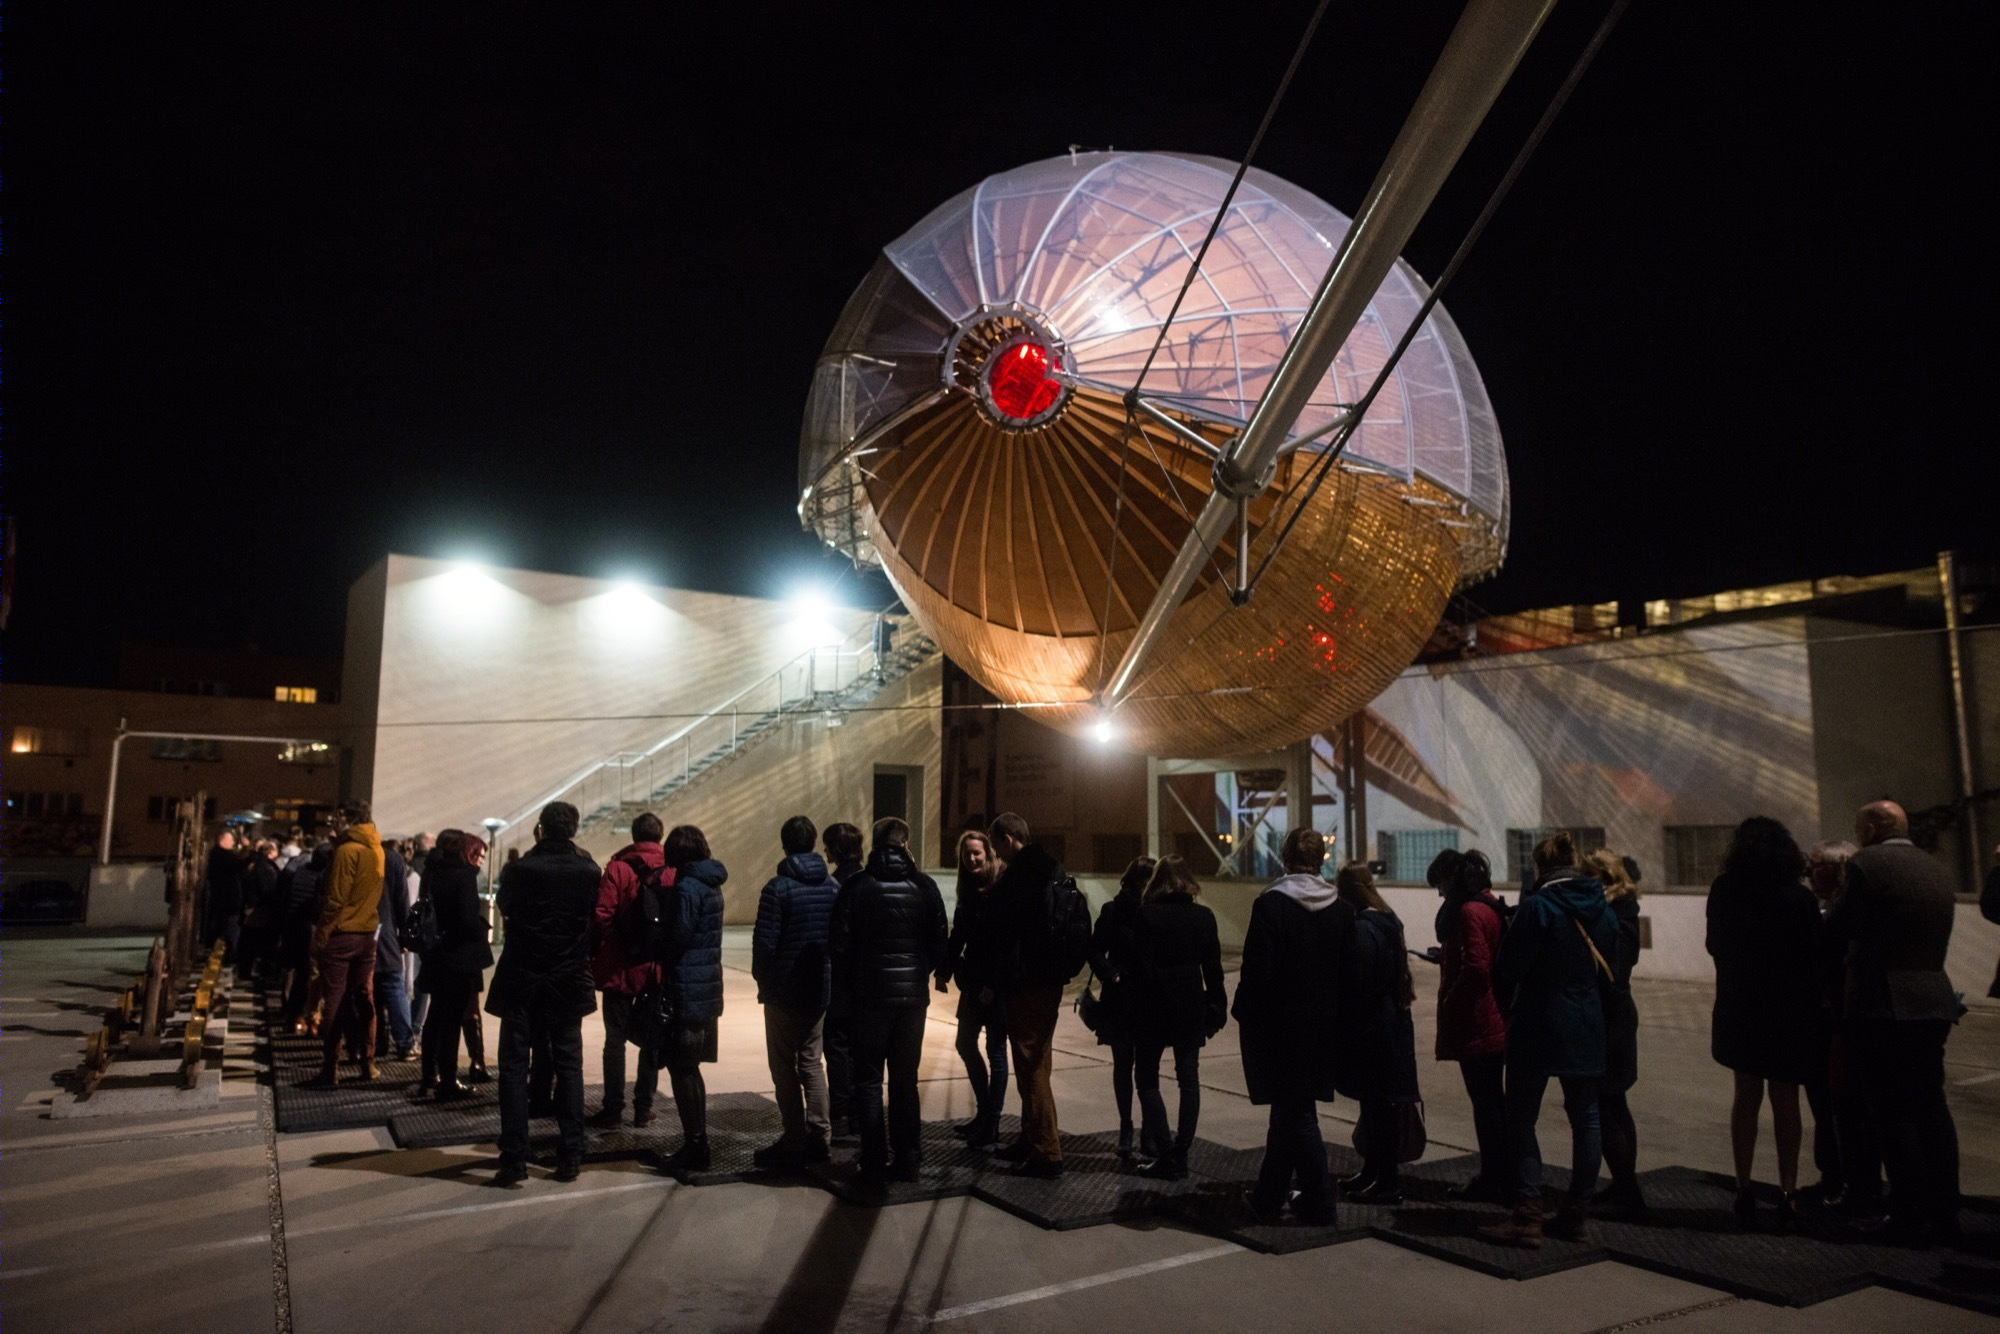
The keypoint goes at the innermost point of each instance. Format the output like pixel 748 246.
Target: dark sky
pixel 292 286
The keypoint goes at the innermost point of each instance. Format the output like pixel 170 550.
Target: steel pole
pixel 1475 65
pixel 1948 585
pixel 110 798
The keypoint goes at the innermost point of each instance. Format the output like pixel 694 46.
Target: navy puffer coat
pixel 788 950
pixel 1555 1023
pixel 695 978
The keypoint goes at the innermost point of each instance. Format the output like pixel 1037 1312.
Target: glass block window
pixel 1695 852
pixel 1408 852
pixel 1521 845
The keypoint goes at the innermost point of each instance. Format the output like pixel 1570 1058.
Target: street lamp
pixel 493 824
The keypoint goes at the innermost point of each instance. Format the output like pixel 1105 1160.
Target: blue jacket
pixel 695 978
pixel 1555 1022
pixel 788 954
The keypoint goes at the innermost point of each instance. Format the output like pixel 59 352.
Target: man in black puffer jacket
pixel 542 986
pixel 889 931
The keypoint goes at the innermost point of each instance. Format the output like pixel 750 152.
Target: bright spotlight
pixel 812 604
pixel 1102 731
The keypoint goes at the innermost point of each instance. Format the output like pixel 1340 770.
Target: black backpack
pixel 656 914
pixel 418 931
pixel 1068 924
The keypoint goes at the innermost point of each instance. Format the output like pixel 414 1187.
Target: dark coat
pixel 1621 1027
pixel 615 964
pixel 548 897
pixel 462 946
pixel 1016 924
pixel 1470 1024
pixel 840 1003
pixel 260 882
pixel 1898 905
pixel 1114 958
pixel 299 893
pixel 694 979
pixel 965 961
pixel 225 883
pixel 1287 1007
pixel 1178 954
pixel 1378 1041
pixel 788 950
pixel 1555 1019
pixel 1765 938
pixel 889 925
pixel 390 909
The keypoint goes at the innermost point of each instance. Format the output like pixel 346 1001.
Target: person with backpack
pixel 455 960
pixel 977 1020
pixel 1551 960
pixel 691 987
pixel 1378 1063
pixel 542 986
pixel 889 929
pixel 1037 933
pixel 1471 1029
pixel 1177 963
pixel 843 854
pixel 1287 1010
pixel 623 973
pixel 790 959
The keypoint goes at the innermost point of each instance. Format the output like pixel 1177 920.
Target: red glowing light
pixel 1018 383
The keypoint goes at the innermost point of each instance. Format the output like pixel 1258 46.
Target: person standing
pixel 260 913
pixel 692 988
pixel 1898 908
pixel 1763 928
pixel 1471 1029
pixel 541 987
pixel 450 973
pixel 1029 974
pixel 399 1026
pixel 1378 1062
pixel 344 941
pixel 792 963
pixel 1114 961
pixel 1287 1012
pixel 1621 1036
pixel 965 964
pixel 889 928
pixel 1181 1005
pixel 622 975
pixel 1550 959
pixel 843 855
pixel 224 876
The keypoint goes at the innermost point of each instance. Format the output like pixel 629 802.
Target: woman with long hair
pixel 1471 1029
pixel 1180 1005
pixel 1763 929
pixel 693 987
pixel 1112 961
pixel 1378 1039
pixel 451 972
pixel 1621 1036
pixel 966 963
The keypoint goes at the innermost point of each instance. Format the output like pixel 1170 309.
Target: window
pixel 186 748
pixel 1112 853
pixel 307 752
pixel 44 805
pixel 50 741
pixel 1695 852
pixel 1409 852
pixel 162 809
pixel 1521 845
pixel 298 694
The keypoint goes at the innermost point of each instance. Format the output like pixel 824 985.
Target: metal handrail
pixel 805 668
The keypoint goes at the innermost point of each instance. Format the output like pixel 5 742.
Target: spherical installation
pixel 967 431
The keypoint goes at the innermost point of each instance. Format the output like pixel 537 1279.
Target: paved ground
pixel 169 1223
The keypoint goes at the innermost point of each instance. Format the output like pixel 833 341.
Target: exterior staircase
pixel 827 679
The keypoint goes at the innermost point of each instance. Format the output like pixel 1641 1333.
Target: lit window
pixel 298 694
pixel 307 752
pixel 49 741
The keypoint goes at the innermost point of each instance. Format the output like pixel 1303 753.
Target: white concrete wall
pixel 128 894
pixel 487 688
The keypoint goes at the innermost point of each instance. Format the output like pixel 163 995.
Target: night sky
pixel 292 286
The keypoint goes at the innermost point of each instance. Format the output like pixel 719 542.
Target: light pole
pixel 493 825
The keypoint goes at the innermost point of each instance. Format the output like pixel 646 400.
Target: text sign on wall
pixel 1040 788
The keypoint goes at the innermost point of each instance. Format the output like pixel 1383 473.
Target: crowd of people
pixel 1829 978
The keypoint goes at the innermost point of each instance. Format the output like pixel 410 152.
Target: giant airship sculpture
pixel 972 429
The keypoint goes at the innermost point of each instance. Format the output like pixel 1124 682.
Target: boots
pixel 1523 1227
pixel 692 1155
pixel 1624 1199
pixel 1571 1222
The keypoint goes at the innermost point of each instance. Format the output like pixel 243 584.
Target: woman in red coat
pixel 1470 1026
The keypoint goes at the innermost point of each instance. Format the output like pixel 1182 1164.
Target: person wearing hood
pixel 843 854
pixel 344 941
pixel 623 974
pixel 1287 1011
pixel 889 928
pixel 692 987
pixel 1470 1027
pixel 542 986
pixel 965 963
pixel 794 972
pixel 1550 961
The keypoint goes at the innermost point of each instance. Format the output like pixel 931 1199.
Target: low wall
pixel 128 894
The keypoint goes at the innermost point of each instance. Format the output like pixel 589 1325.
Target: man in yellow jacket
pixel 344 941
